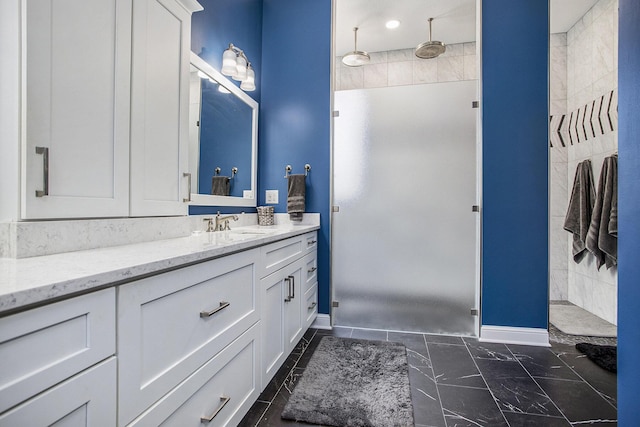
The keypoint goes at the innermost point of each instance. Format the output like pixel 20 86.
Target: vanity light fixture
pixel 355 58
pixel 236 65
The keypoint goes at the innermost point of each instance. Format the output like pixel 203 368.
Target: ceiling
pixel 454 21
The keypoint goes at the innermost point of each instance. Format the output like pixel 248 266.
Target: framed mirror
pixel 223 139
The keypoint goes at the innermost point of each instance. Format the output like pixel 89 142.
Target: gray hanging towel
pixel 602 239
pixel 296 197
pixel 580 208
pixel 220 185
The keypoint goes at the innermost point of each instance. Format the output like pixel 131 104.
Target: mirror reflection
pixel 223 133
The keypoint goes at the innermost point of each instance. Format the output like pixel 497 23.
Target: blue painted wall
pixel 628 214
pixel 515 163
pixel 295 110
pixel 229 21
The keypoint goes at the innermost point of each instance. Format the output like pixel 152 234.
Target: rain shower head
pixel 430 49
pixel 356 57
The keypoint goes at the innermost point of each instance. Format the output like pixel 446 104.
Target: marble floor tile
pixel 578 401
pixel 489 351
pixel 464 406
pixel 603 381
pixel 443 339
pixel 528 420
pixel 368 334
pixel 542 362
pixel 453 365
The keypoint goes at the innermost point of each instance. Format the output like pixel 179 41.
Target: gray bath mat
pixel 351 382
pixel 574 320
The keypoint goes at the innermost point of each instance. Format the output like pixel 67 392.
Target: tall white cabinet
pixel 160 107
pixel 102 90
pixel 75 108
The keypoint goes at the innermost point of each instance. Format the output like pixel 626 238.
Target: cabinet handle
pixel 312 242
pixel 222 306
pixel 288 280
pixel 45 171
pixel 223 401
pixel 293 287
pixel 188 175
pixel 312 306
pixel 312 269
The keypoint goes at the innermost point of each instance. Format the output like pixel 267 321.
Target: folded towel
pixel 220 185
pixel 296 197
pixel 580 208
pixel 602 238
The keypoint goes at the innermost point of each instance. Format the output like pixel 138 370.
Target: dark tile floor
pixel 463 382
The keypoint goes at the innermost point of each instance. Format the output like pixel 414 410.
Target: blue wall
pixel 515 40
pixel 628 214
pixel 295 110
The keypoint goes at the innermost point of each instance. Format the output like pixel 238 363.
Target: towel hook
pixel 307 168
pixel 234 171
pixel 218 170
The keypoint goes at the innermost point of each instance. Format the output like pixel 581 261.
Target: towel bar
pixel 288 168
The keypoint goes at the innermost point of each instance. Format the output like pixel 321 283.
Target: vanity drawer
pixel 169 325
pixel 279 254
pixel 87 399
pixel 310 241
pixel 310 308
pixel 310 271
pixel 44 346
pixel 225 387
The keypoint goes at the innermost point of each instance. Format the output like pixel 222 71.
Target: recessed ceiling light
pixel 393 24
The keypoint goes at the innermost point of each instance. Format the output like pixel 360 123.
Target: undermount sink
pixel 252 230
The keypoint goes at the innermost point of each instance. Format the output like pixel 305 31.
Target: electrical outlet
pixel 272 197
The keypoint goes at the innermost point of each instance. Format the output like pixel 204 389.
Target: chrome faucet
pixel 222 222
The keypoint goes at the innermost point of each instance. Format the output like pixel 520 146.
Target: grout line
pixel 538 384
pixel 263 414
pixel 466 345
pixel 435 380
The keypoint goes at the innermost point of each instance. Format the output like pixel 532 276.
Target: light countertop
pixel 30 281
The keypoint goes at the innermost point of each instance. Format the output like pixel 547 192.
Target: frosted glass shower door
pixel 404 241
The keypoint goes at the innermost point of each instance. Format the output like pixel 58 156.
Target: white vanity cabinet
pixel 286 314
pixel 172 324
pixel 103 102
pixel 75 108
pixel 58 363
pixel 160 180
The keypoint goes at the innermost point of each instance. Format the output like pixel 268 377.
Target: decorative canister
pixel 265 215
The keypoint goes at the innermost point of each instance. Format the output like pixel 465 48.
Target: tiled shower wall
pixel 402 67
pixel 589 131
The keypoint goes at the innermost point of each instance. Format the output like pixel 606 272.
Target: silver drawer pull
pixel 188 176
pixel 222 306
pixel 45 171
pixel 223 401
pixel 312 306
pixel 311 270
pixel 312 242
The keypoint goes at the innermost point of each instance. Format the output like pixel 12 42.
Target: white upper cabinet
pixel 75 109
pixel 160 183
pixel 104 89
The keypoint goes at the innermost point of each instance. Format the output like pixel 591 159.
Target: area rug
pixel 604 356
pixel 574 320
pixel 350 382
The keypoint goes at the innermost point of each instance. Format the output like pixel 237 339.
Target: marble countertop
pixel 30 281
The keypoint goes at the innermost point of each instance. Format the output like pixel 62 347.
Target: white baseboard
pixel 323 321
pixel 511 335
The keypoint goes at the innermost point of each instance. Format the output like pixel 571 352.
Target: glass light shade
pixel 241 69
pixel 229 63
pixel 249 84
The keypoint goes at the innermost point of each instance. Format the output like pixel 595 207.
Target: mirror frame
pixel 236 201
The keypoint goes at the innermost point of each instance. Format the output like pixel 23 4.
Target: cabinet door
pixel 160 108
pixel 282 317
pixel 75 108
pixel 273 294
